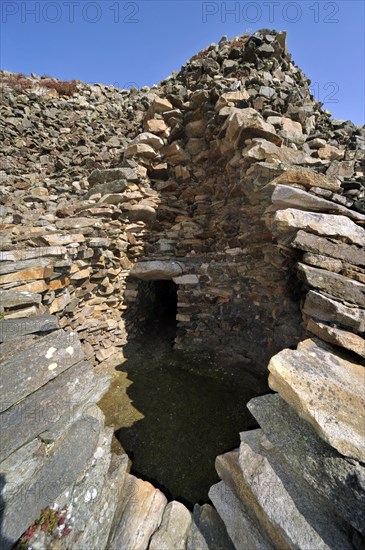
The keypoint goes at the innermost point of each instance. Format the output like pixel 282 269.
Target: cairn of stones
pixel 231 180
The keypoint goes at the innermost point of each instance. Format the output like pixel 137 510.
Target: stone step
pixel 174 529
pixel 67 460
pixel 140 515
pixel 244 533
pixel 327 389
pixel 33 367
pixel 283 508
pixel 341 482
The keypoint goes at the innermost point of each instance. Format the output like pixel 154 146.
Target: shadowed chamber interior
pixel 182 409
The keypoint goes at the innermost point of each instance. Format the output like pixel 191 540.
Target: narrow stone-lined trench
pixel 174 413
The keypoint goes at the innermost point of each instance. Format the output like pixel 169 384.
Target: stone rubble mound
pixel 231 180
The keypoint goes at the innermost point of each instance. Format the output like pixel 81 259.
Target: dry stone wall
pixel 230 180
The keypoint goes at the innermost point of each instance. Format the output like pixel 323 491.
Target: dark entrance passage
pixel 173 412
pixel 157 302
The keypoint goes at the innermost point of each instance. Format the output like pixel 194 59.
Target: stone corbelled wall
pixel 231 180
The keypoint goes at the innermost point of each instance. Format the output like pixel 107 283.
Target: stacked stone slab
pixel 229 179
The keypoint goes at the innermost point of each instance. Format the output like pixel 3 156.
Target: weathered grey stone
pixel 11 347
pixel 283 509
pixel 10 299
pixel 195 540
pixel 142 212
pixel 231 98
pixel 140 515
pixel 261 149
pixel 10 328
pixel 308 178
pixel 112 174
pixel 83 402
pixel 97 532
pixel 244 533
pixel 111 187
pixel 285 196
pixel 14 266
pixel 33 367
pixel 336 249
pixel 334 284
pixel 343 169
pixel 140 149
pixel 291 130
pixel 44 408
pixel 32 253
pixel 324 262
pixel 148 138
pixel 65 464
pixel 174 529
pixel 247 123
pixel 326 309
pixel 154 270
pixel 20 467
pixel 94 498
pixel 327 225
pixel 337 337
pixel 340 481
pixel 212 527
pixel 325 389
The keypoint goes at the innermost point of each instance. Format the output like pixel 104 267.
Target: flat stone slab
pixel 13 267
pixel 308 178
pixel 212 527
pixel 41 410
pixel 334 284
pixel 327 225
pixel 156 270
pixel 20 467
pixel 284 510
pixel 112 174
pixel 174 529
pixel 335 249
pixel 285 196
pixel 325 389
pixel 243 532
pixel 33 367
pixel 11 328
pixel 340 481
pixel 12 347
pixel 65 464
pixel 32 253
pixel 94 499
pixel 141 514
pixel 10 299
pixel 327 309
pixel 337 337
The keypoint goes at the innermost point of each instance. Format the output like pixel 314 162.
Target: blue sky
pixel 141 42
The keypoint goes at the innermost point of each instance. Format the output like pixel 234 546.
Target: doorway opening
pixel 157 301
